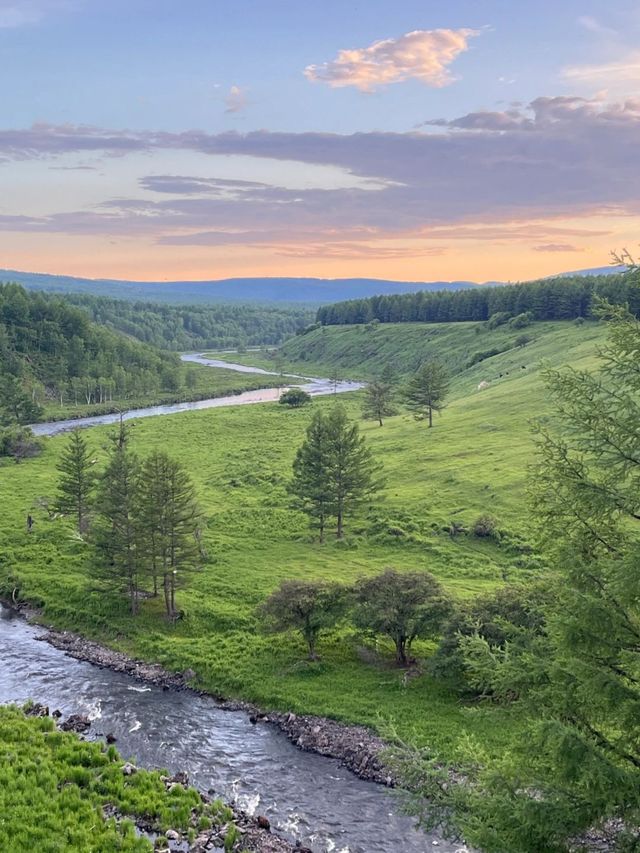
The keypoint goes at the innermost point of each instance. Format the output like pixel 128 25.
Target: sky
pixel 408 140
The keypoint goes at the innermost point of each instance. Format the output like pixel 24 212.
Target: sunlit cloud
pixel 423 55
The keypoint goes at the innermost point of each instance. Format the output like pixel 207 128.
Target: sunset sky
pixel 420 140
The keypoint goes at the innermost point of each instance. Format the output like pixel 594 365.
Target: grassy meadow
pixel 473 461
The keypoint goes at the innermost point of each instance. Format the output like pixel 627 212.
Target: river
pixel 305 796
pixel 315 387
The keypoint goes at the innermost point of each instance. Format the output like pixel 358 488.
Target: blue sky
pixel 375 145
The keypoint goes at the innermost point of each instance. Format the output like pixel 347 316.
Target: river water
pixel 305 796
pixel 315 387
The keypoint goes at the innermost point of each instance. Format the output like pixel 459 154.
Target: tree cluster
pixel 562 298
pixel 146 521
pixel 401 606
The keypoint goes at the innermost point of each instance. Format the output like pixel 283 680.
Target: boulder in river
pixel 76 723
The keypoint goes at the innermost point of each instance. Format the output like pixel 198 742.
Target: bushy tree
pixel 309 485
pixel 427 390
pixel 16 405
pixel 76 480
pixel 295 397
pixel 402 606
pixel 308 607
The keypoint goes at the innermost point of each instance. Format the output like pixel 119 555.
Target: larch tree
pixel 118 530
pixel 76 482
pixel 309 485
pixel 427 390
pixel 378 401
pixel 352 474
pixel 169 520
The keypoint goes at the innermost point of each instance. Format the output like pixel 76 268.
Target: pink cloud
pixel 423 55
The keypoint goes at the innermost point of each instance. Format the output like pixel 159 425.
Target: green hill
pixel 472 352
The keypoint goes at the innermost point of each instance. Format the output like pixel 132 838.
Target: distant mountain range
pixel 309 290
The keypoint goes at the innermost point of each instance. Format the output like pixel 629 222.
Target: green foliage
pixel 427 390
pixel 562 298
pixel 378 400
pixel 54 786
pixel 304 606
pixel 334 471
pixel 485 525
pixel 578 765
pixel 194 327
pixel 76 481
pixel 295 397
pixel 402 606
pixel 19 443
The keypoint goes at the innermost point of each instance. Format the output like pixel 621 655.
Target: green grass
pixel 361 352
pixel 473 461
pixel 208 383
pixel 54 786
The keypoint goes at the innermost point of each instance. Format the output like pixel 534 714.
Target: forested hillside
pixel 562 298
pixel 53 355
pixel 188 327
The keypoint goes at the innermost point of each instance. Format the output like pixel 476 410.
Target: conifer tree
pixel 309 485
pixel 427 391
pixel 118 531
pixel 352 470
pixel 77 480
pixel 334 470
pixel 169 520
pixel 378 401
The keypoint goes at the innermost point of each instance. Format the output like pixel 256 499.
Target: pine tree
pixel 333 471
pixel 309 484
pixel 169 523
pixel 77 480
pixel 427 391
pixel 351 474
pixel 118 530
pixel 378 401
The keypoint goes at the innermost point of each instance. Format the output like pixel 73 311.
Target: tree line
pixel 563 298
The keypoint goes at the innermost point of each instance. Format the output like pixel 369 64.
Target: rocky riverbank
pixel 356 747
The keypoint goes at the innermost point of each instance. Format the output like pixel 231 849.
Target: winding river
pixel 307 797
pixel 315 387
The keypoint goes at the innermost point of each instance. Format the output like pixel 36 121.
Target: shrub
pixel 521 321
pixel 295 397
pixel 498 319
pixel 513 615
pixel 477 357
pixel 19 443
pixel 522 340
pixel 485 525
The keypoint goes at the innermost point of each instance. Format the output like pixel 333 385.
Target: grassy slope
pixel 474 460
pixel 361 352
pixel 54 786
